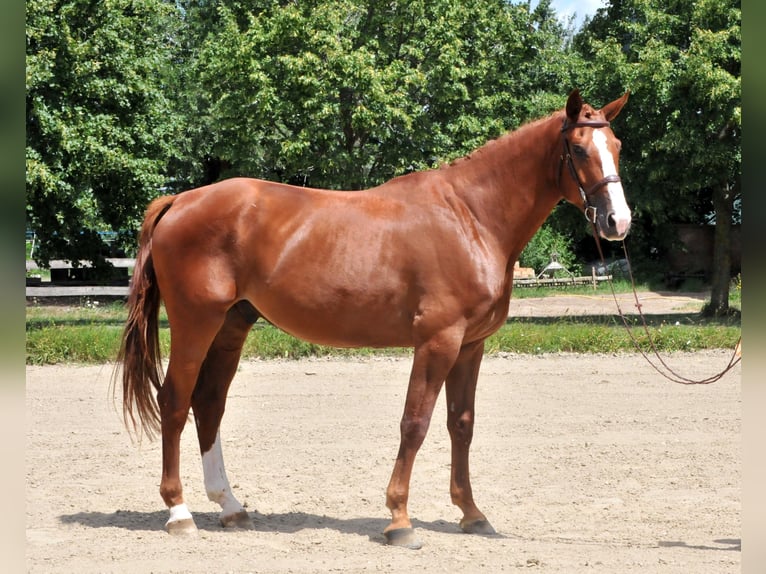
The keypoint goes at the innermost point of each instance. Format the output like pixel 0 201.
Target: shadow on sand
pixel 286 523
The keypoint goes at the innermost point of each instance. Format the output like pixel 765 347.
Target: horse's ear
pixel 611 110
pixel 574 105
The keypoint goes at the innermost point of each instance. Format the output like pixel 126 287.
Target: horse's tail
pixel 139 354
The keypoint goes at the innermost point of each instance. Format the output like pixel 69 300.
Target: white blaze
pixel 616 193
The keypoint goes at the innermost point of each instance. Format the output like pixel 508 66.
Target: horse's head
pixel 591 153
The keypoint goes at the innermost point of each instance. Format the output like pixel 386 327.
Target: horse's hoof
pixel 239 519
pixel 404 537
pixel 183 527
pixel 481 526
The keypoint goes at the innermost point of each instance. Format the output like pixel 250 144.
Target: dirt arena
pixel 581 463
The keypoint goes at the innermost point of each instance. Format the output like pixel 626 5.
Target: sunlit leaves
pixel 348 94
pixel 101 126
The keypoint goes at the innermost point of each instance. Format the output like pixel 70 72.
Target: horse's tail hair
pixel 139 354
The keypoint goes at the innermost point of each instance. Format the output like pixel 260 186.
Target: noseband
pixel 589 209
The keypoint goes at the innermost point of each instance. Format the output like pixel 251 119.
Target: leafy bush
pixel 537 253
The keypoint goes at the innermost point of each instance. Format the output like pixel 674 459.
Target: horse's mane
pixel 501 140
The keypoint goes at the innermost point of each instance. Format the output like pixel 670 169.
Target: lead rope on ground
pixel 668 373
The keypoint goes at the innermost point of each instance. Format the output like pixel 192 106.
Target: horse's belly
pixel 340 326
pixel 351 334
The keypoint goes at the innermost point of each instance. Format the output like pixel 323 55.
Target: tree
pixel 682 139
pixel 100 125
pixel 348 94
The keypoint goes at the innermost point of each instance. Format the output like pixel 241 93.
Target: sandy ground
pixel 650 302
pixel 581 463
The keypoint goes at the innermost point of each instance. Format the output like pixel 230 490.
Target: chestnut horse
pixel 424 261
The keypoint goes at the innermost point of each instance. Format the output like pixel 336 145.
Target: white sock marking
pixel 178 512
pixel 216 482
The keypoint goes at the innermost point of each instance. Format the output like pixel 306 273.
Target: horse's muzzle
pixel 613 226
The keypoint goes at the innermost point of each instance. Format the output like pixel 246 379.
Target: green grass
pixel 91 334
pixel 609 337
pixel 87 334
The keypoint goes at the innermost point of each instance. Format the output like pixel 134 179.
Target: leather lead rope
pixel 668 372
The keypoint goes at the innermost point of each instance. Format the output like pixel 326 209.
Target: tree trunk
pixel 723 204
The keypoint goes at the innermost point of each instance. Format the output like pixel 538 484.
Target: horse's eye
pixel 579 151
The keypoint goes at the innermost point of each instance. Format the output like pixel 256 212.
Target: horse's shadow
pixel 734 544
pixel 284 523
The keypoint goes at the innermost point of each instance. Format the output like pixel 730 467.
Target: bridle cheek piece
pixel 590 210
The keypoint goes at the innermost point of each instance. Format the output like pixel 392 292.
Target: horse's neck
pixel 510 184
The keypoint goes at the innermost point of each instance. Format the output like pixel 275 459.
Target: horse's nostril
pixel 610 220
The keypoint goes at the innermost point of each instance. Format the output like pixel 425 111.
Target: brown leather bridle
pixel 589 209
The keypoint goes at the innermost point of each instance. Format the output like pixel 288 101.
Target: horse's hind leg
pixel 460 391
pixel 192 332
pixel 208 404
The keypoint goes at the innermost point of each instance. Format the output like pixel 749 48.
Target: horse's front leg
pixel 431 363
pixel 461 392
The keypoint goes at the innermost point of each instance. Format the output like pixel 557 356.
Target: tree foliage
pixel 348 94
pixel 100 123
